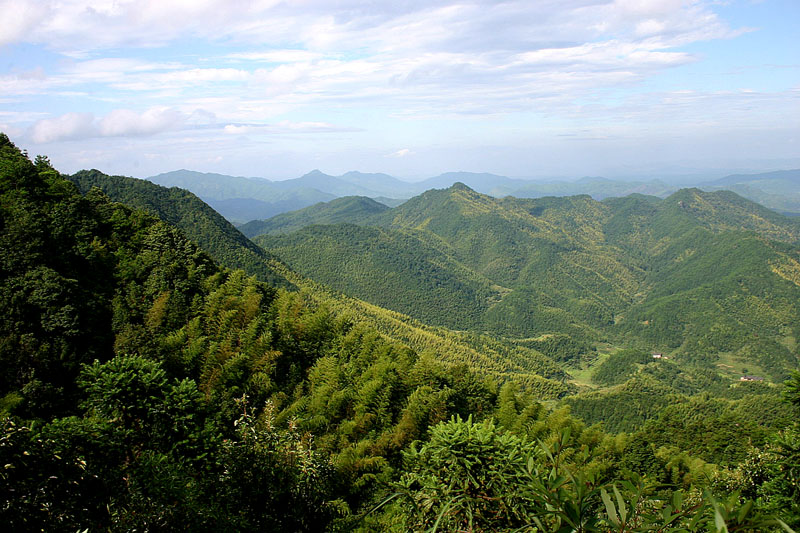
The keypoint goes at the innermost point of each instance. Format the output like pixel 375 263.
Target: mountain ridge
pixel 663 273
pixel 229 194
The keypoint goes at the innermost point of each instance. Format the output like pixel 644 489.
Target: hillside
pixel 505 361
pixel 349 209
pixel 146 388
pixel 184 210
pixel 696 274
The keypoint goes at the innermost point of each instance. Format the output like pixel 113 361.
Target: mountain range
pixel 241 199
pixel 695 275
pixel 148 386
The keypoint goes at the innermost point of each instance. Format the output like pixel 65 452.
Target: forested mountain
pixel 225 244
pixel 184 210
pixel 696 274
pixel 146 388
pixel 350 209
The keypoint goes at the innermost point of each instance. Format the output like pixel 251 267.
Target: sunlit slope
pixel 503 360
pixel 696 273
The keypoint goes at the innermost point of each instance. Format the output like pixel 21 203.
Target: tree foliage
pixel 147 388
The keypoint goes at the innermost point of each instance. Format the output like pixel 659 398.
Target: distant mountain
pixel 241 210
pixel 327 184
pixel 778 190
pixel 483 182
pixel 242 199
pixel 597 187
pixel 352 209
pixel 352 184
pixel 791 176
pixel 696 274
pixel 384 184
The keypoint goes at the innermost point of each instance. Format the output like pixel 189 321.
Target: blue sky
pixel 529 88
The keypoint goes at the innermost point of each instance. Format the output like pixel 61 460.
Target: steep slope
pixel 349 209
pixel 186 211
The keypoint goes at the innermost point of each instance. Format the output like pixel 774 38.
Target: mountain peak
pixel 460 186
pixel 316 173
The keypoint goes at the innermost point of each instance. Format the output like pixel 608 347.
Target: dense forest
pixel 695 275
pixel 148 387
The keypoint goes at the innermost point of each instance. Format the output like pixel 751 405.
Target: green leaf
pixel 612 513
pixel 744 511
pixel 719 521
pixel 623 511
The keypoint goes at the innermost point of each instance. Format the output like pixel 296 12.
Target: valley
pixel 353 361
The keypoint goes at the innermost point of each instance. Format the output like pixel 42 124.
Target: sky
pixel 529 88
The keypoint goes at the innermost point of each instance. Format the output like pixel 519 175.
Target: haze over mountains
pixel 244 199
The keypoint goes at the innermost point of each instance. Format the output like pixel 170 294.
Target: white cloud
pixel 418 57
pixel 124 122
pixel 278 56
pixel 438 71
pixel 65 127
pixel 284 126
pixel 19 17
pixel 118 123
pixel 233 129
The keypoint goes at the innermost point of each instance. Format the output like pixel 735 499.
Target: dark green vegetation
pixel 147 388
pixel 351 209
pixel 183 210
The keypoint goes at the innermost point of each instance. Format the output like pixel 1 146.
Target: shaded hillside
pixel 186 211
pixel 349 209
pixel 388 268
